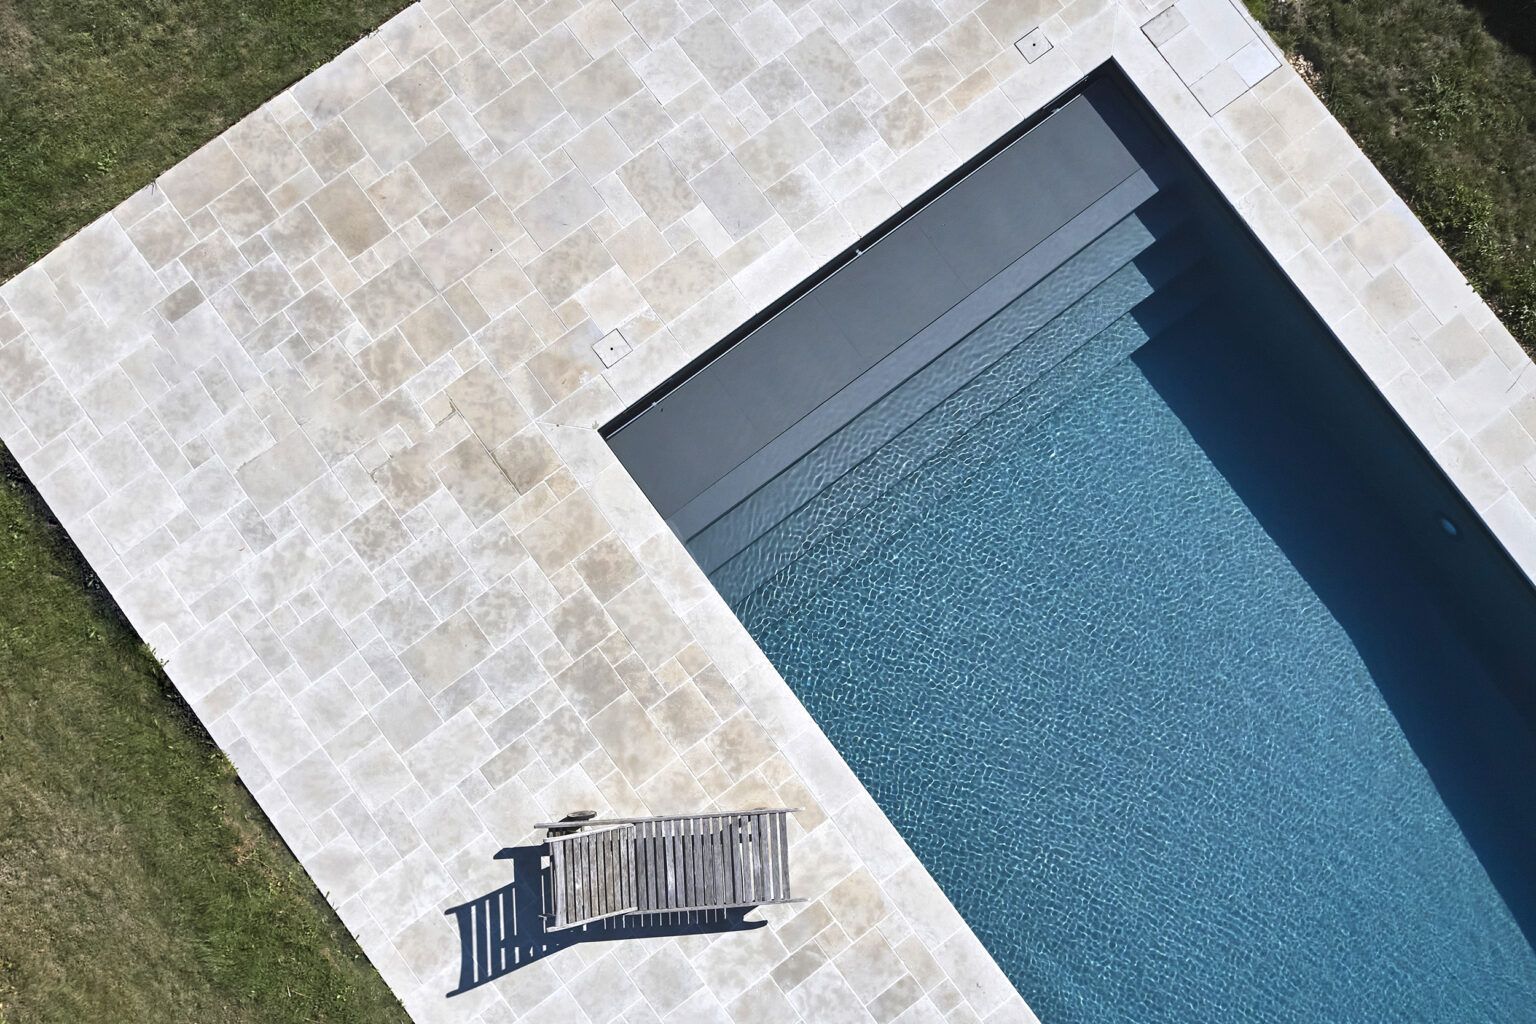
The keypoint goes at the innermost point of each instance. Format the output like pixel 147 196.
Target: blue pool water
pixel 1128 657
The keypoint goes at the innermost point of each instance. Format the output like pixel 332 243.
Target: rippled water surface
pixel 1127 738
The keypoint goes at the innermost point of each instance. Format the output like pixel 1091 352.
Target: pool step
pixel 1003 358
pixel 1077 290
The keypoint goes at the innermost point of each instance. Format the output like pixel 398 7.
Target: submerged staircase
pixel 1055 257
pixel 1123 288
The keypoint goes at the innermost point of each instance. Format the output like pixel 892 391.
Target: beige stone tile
pixel 450 175
pixel 477 79
pixel 777 87
pixel 161 236
pixel 568 364
pixel 348 216
pixel 590 683
pixel 681 281
pixel 477 484
pixel 568 265
pixel 382 128
pixel 630 739
pixel 562 737
pixel 318 644
pixel 870 966
pixel 202 177
pixel 649 622
pixel 266 288
pixel 433 330
pixel 667 979
pixel 597 88
pixel 419 89
pixel 656 184
pixel 277 474
pixel 446 653
pixel 579 623
pixel 388 297
pixel 826 67
pixel 731 196
pixel 716 52
pixel 845 132
pixel 458 248
pixel 558 210
pixel 449 753
pixel 335 86
pixel 502 27
pixel 516 114
pixel 388 362
pixel 777 149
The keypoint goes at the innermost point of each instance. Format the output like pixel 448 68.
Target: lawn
pixel 97 97
pixel 1447 109
pixel 138 879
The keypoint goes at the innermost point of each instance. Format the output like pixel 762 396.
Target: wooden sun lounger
pixel 606 867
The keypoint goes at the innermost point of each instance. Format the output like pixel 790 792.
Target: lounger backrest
pixel 592 875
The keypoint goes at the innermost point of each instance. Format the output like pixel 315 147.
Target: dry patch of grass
pixel 138 879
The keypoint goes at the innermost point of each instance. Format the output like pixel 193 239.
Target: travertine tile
pixel 660 189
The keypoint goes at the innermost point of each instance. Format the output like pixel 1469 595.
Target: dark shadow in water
pixel 503 930
pixel 1444 622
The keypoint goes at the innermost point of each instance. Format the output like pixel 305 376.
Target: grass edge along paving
pixel 1447 112
pixel 100 97
pixel 140 881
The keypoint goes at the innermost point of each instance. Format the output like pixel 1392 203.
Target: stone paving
pixel 320 407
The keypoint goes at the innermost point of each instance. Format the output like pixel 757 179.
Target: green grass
pixel 138 879
pixel 97 97
pixel 1447 112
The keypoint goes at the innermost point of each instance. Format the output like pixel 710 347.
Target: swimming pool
pixel 1163 645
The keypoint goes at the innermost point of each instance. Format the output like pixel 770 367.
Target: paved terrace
pixel 320 408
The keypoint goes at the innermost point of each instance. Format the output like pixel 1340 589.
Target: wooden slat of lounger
pixel 784 855
pixel 696 860
pixel 674 866
pixel 655 866
pixel 715 849
pixel 701 859
pixel 755 855
pixel 624 885
pixel 687 870
pixel 695 892
pixel 783 859
pixel 772 822
pixel 559 891
pixel 597 854
pixel 765 884
pixel 625 869
pixel 733 841
pixel 641 848
pixel 743 858
pixel 580 864
pixel 659 872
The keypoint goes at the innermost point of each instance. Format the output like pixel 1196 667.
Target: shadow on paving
pixel 503 930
